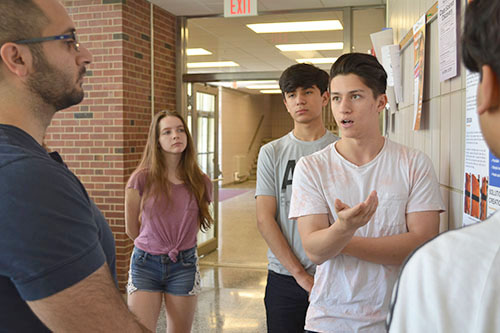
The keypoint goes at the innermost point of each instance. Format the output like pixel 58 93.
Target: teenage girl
pixel 166 203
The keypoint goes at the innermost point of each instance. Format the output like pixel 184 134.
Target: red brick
pixel 116 93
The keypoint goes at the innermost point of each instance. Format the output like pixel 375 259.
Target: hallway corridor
pixel 233 278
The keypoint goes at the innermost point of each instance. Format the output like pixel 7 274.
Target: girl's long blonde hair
pixel 153 163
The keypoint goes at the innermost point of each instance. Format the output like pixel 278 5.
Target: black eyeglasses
pixel 71 35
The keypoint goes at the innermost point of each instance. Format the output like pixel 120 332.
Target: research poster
pixel 481 169
pixel 418 70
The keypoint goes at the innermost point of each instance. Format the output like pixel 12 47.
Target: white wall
pixel 282 122
pixel 443 116
pixel 240 114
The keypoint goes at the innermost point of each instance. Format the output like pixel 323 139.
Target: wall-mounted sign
pixel 236 8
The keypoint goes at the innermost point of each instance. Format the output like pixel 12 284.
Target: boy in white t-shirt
pixel 362 204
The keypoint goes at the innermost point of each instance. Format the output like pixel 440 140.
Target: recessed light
pixel 246 83
pixel 270 91
pixel 317 60
pixel 197 51
pixel 263 86
pixel 212 64
pixel 263 28
pixel 311 47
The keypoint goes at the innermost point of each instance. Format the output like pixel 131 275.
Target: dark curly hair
pixel 303 76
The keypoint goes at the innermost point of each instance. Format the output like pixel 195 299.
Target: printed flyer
pixel 482 169
pixel 447 23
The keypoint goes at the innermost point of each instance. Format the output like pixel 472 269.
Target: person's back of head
pixel 481 38
pixel 303 76
pixel 366 67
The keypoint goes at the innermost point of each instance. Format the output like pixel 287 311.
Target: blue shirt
pixel 51 233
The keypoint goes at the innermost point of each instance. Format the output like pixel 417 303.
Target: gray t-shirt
pixel 275 167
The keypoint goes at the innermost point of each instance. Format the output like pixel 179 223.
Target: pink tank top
pixel 167 228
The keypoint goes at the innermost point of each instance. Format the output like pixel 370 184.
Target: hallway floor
pixel 233 278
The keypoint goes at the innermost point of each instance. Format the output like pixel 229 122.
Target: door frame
pixel 212 243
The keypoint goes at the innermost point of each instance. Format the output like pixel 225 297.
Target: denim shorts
pixel 157 273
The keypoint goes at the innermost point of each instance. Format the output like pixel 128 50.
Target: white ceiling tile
pixel 211 7
pixel 343 3
pixel 230 39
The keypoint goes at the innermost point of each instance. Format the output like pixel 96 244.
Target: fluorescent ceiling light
pixel 317 60
pixel 270 91
pixel 311 47
pixel 263 86
pixel 243 84
pixel 197 51
pixel 246 83
pixel 212 64
pixel 263 28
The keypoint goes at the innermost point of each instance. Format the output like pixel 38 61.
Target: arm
pixel 392 250
pixel 322 241
pixel 132 211
pixel 91 305
pixel 268 227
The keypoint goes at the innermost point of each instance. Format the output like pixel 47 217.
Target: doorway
pixel 203 119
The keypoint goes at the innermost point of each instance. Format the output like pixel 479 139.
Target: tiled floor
pixel 234 276
pixel 231 300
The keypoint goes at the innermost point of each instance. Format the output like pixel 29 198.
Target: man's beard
pixel 52 85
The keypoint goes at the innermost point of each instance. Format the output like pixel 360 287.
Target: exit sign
pixel 235 8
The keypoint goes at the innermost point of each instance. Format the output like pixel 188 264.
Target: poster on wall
pixel 447 23
pixel 481 169
pixel 418 70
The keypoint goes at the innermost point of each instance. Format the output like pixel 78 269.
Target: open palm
pixel 357 216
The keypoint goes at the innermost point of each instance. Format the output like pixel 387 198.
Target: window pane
pixel 202 161
pixel 205 102
pixel 202 135
pixel 211 134
pixel 210 168
pixel 190 123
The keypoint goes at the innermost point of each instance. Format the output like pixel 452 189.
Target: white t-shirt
pixel 349 294
pixel 452 283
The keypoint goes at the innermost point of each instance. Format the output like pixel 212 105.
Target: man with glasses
pixel 57 255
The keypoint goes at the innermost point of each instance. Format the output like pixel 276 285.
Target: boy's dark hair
pixel 366 66
pixel 303 76
pixel 481 38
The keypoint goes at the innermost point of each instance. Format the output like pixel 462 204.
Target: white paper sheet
pixel 447 23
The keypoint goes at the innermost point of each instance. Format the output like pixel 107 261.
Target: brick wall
pixel 102 138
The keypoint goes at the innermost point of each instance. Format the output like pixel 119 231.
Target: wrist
pixel 346 248
pixel 298 272
pixel 343 229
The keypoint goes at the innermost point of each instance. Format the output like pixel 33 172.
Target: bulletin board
pixel 481 178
